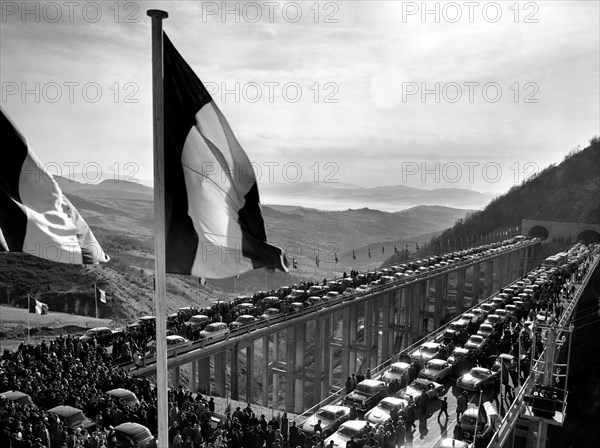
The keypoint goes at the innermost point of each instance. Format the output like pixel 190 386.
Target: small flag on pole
pixel 214 222
pixel 35 216
pixel 35 306
pixel 101 295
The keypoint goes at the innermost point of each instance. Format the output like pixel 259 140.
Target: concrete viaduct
pixel 300 359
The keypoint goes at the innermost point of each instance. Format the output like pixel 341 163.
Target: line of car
pixel 370 395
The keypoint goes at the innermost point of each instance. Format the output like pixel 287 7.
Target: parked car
pixel 198 321
pixel 215 331
pixel 485 329
pixel 73 417
pixel 366 395
pixel 475 342
pixel 471 418
pixel 381 412
pixel 425 352
pixel 331 418
pixel 132 435
pixel 103 335
pixel 331 295
pixel 361 290
pixel 351 428
pixel 420 385
pixel 242 321
pixel 175 340
pixel 270 313
pixel 436 370
pixel 395 372
pixel 452 443
pixel 477 379
pixel 127 396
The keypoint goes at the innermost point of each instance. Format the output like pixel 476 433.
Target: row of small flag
pixel 37 307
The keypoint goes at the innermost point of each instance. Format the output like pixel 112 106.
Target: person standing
pixel 443 409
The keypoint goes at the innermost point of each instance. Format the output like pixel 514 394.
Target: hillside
pixel 568 192
pixel 121 216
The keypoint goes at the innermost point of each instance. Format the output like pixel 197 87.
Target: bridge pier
pixel 387 331
pixel 460 290
pixel 265 373
pixel 477 296
pixel 250 396
pixel 220 374
pixel 194 376
pixel 488 269
pixel 234 393
pixel 204 375
pixel 176 372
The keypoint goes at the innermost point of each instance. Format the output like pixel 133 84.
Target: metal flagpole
pixel 96 300
pixel 160 298
pixel 28 317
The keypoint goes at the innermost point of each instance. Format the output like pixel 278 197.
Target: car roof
pixel 436 361
pixel 333 408
pixel 431 344
pixel 393 400
pixel 371 383
pixel 217 325
pixel 354 424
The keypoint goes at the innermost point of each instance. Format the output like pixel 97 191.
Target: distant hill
pixel 568 192
pixel 340 196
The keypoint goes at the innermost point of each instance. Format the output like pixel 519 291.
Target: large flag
pixel 101 295
pixel 35 306
pixel 214 223
pixel 35 216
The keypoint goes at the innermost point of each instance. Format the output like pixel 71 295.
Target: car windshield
pixel 493 318
pixel 476 339
pixel 456 326
pixel 212 329
pixel 245 319
pixel 482 374
pixel 326 415
pixel 197 319
pixel 396 369
pixel 429 350
pixel 363 389
pixel 347 431
pixel 418 385
pixel 435 367
pixel 387 405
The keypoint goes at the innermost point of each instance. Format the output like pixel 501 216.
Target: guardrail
pixel 510 418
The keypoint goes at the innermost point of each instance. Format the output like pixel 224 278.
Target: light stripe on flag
pixel 215 227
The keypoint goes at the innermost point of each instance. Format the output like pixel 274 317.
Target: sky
pixel 421 94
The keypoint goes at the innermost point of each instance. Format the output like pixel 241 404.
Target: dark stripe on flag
pixel 13 222
pixel 186 94
pixel 185 98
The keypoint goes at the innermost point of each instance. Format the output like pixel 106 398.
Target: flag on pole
pixel 35 306
pixel 214 223
pixel 101 295
pixel 353 255
pixel 35 216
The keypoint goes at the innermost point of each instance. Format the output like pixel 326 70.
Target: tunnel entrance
pixel 538 232
pixel 588 237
